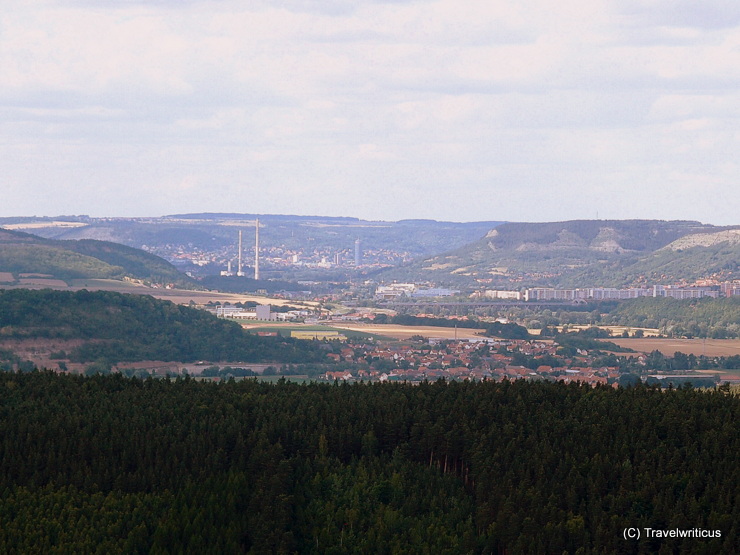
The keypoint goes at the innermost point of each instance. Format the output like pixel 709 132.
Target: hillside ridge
pixel 585 253
pixel 23 253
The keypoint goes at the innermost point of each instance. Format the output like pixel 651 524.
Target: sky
pixel 459 110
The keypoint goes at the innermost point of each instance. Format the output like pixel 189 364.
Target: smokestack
pixel 257 249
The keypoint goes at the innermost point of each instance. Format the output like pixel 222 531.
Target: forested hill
pixel 587 253
pixel 117 327
pixel 112 465
pixel 21 253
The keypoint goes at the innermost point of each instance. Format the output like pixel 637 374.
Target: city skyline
pixel 482 111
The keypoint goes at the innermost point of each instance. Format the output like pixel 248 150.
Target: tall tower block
pixel 257 249
pixel 358 252
pixel 239 256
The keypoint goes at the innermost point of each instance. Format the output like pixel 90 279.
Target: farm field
pixel 45 283
pixel 709 347
pixel 616 331
pixel 40 225
pixel 404 332
pixel 286 328
pixel 391 331
pixel 729 376
pixel 177 296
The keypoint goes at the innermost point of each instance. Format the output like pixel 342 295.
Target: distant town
pixel 233 261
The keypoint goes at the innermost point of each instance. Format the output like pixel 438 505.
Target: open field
pixel 283 327
pixel 392 331
pixel 404 332
pixel 616 331
pixel 709 347
pixel 177 296
pixel 6 277
pixel 728 376
pixel 41 225
pixel 287 327
pixel 203 297
pixel 46 283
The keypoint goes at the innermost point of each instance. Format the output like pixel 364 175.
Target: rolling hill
pixel 22 254
pixel 114 327
pixel 213 232
pixel 586 253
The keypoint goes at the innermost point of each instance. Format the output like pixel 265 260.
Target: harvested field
pixel 404 332
pixel 43 225
pixel 203 297
pixel 177 296
pixel 6 277
pixel 709 347
pixel 616 331
pixel 286 328
pixel 42 282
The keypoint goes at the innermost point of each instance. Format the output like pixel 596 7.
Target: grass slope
pixel 21 253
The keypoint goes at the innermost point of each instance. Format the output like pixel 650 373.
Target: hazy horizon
pixel 349 217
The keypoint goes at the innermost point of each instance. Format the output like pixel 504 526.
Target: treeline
pixel 713 318
pixel 119 327
pixel 706 317
pixel 589 339
pixel 157 466
pixel 492 329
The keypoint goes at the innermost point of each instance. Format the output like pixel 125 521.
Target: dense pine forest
pixel 111 464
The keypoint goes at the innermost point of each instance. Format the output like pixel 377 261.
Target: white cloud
pixel 361 108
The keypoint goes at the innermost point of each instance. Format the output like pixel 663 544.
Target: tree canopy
pixel 120 327
pixel 124 465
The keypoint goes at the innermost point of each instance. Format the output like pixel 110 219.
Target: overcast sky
pixel 519 110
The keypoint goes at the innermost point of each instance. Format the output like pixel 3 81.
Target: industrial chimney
pixel 257 249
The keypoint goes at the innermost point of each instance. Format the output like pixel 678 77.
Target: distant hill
pixel 576 253
pixel 216 233
pixel 586 252
pixel 22 253
pixel 692 257
pixel 115 327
